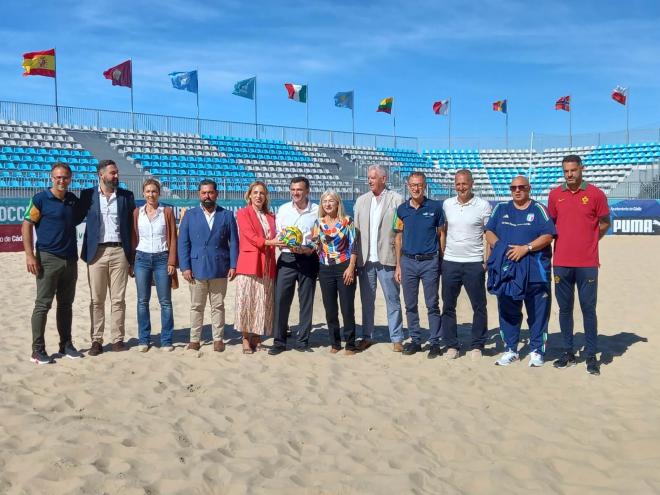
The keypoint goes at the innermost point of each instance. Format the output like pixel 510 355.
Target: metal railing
pixel 90 118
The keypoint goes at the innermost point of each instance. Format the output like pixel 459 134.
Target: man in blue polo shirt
pixel 55 263
pixel 418 225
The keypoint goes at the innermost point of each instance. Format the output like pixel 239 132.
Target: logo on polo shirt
pixel 585 200
pixel 557 279
pixel 428 213
pixel 530 217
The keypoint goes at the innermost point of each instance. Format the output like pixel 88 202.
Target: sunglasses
pixel 518 188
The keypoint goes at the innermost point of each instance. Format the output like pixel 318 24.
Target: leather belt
pixel 110 244
pixel 420 257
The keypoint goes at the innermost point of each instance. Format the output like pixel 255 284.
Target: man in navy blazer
pixel 107 251
pixel 208 251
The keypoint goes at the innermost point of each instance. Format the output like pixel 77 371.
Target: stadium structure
pixel 235 154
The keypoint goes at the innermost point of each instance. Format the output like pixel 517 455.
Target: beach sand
pixel 313 423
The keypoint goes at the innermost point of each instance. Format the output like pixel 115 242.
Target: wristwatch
pixel 529 248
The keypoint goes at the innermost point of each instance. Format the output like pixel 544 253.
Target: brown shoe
pixel 334 350
pixel 397 347
pixel 193 346
pixel 96 349
pixel 118 347
pixel 218 346
pixel 350 352
pixel 364 344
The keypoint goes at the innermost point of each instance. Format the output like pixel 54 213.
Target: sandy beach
pixel 317 423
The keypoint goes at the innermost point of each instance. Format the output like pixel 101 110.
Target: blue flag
pixel 344 99
pixel 185 80
pixel 245 88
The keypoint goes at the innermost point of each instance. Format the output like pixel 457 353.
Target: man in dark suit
pixel 107 251
pixel 208 251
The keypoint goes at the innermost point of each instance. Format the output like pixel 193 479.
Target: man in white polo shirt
pixel 463 264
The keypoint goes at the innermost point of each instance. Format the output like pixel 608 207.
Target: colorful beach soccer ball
pixel 291 236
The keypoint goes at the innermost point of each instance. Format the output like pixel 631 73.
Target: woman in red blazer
pixel 255 269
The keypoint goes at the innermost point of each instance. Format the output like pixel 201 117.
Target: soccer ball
pixel 291 236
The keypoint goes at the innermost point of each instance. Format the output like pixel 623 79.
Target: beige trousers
pixel 108 270
pixel 214 290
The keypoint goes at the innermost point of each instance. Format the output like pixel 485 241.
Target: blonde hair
pixel 249 191
pixel 341 213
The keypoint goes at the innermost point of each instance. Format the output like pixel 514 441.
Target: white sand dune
pixel 312 423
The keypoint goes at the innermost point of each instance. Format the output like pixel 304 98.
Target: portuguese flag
pixel 39 63
pixel 385 105
pixel 297 92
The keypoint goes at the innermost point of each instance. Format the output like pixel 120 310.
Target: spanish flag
pixel 39 63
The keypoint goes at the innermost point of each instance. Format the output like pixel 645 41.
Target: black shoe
pixel 593 368
pixel 567 359
pixel 68 350
pixel 434 351
pixel 40 357
pixel 96 349
pixel 304 348
pixel 411 348
pixel 275 350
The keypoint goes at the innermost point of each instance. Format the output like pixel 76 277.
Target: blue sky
pixel 475 52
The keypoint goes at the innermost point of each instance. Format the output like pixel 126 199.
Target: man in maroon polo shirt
pixel 582 218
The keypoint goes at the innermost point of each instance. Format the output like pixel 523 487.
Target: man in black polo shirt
pixel 55 264
pixel 418 225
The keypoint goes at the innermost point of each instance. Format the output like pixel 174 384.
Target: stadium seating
pixel 27 150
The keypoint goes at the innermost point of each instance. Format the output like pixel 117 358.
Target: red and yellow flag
pixel 39 63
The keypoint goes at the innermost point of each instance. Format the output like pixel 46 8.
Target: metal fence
pixel 110 119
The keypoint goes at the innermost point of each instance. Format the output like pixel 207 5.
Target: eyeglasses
pixel 416 186
pixel 518 188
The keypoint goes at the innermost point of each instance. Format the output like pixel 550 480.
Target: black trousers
pixel 332 285
pixel 473 277
pixel 291 269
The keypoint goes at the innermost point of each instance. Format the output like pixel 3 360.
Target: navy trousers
pixel 428 273
pixel 586 280
pixel 537 303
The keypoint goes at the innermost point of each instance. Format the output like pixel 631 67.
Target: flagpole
pixel 57 108
pixel 506 124
pixel 307 109
pixel 393 123
pixel 256 122
pixel 570 124
pixel 353 117
pixel 449 125
pixel 198 123
pixel 628 116
pixel 132 112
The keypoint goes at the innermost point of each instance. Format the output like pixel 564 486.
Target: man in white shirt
pixel 463 264
pixel 295 265
pixel 373 216
pixel 108 252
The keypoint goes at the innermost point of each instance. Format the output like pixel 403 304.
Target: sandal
pixel 247 347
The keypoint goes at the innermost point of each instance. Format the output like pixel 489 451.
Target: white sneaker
pixel 535 360
pixel 143 348
pixel 167 348
pixel 451 353
pixel 507 358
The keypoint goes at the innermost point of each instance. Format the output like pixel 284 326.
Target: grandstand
pixel 181 160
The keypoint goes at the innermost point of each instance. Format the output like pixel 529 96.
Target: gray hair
pixel 382 171
pixel 465 172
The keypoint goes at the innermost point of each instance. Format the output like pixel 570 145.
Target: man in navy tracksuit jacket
pixel 520 232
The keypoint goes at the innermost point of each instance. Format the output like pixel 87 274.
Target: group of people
pixel 458 243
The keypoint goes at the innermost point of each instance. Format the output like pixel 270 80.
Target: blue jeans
pixel 153 267
pixel 412 273
pixel 370 275
pixel 586 279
